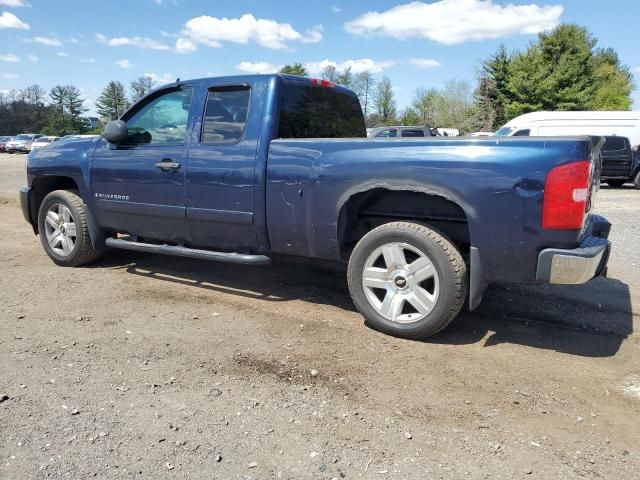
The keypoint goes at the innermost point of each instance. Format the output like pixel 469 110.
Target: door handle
pixel 166 165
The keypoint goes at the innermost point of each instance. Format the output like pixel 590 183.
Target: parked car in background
pixel 554 124
pixel 619 164
pixel 448 132
pixel 237 169
pixel 404 132
pixel 480 134
pixel 3 142
pixel 43 142
pixel 22 143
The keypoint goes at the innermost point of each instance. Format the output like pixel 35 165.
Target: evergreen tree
pixel 295 69
pixel 492 94
pixel 112 101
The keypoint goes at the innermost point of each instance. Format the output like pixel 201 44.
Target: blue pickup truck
pixel 241 169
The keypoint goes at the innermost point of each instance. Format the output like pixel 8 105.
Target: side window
pixel 387 133
pixel 413 133
pixel 225 115
pixel 162 121
pixel 522 133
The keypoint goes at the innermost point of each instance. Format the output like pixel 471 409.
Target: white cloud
pixel 257 67
pixel 214 31
pixel 456 21
pixel 9 57
pixel 14 3
pixel 357 66
pixel 88 60
pixel 9 20
pixel 48 41
pixel 336 9
pixel 184 45
pixel 10 76
pixel 424 62
pixel 136 42
pixel 124 63
pixel 33 58
pixel 313 35
pixel 161 78
pixel 63 54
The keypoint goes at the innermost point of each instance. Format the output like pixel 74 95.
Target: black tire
pixel 82 252
pixel 616 183
pixel 447 261
pixel 636 181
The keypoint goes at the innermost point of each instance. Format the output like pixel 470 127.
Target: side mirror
pixel 115 132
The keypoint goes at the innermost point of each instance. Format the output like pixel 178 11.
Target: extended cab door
pixel 221 179
pixel 139 187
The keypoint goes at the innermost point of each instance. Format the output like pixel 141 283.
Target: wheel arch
pixel 366 209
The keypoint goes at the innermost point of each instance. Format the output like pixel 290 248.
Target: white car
pixel 22 143
pixel 480 134
pixel 43 142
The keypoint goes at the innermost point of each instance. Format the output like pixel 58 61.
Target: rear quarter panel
pixel 498 182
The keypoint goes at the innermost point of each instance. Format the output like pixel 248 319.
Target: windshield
pixel 504 131
pixel 23 137
pixel 45 140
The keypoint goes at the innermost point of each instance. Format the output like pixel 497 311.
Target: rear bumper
pixel 578 265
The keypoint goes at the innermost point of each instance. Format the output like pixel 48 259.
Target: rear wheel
pixel 63 228
pixel 616 183
pixel 407 280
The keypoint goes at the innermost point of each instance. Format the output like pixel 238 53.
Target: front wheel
pixel 636 181
pixel 63 228
pixel 407 280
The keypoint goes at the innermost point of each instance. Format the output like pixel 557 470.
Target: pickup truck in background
pixel 619 164
pixel 239 169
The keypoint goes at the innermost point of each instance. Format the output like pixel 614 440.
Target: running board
pixel 179 251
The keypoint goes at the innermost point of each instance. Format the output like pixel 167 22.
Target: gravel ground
pixel 153 367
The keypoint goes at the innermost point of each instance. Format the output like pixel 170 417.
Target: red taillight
pixel 318 82
pixel 566 193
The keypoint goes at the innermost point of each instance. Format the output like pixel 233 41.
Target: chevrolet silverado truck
pixel 242 169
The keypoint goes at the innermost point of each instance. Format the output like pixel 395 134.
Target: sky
pixel 416 44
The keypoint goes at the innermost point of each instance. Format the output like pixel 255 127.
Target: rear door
pixel 221 179
pixel 139 187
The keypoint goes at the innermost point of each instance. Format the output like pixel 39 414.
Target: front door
pixel 222 163
pixel 139 187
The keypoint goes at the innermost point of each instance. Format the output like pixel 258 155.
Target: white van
pixel 553 124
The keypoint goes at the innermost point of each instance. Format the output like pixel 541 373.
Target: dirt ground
pixel 156 367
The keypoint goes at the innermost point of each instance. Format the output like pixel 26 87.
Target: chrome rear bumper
pixel 578 265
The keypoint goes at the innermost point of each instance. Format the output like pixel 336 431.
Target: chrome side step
pixel 179 251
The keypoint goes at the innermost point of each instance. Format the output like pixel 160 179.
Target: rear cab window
pixel 310 111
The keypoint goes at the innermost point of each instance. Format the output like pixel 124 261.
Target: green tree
pixel 112 102
pixel 409 117
pixel 384 102
pixel 65 115
pixel 555 73
pixel 295 69
pixel 140 87
pixel 425 103
pixel 492 94
pixel 614 82
pixel 345 78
